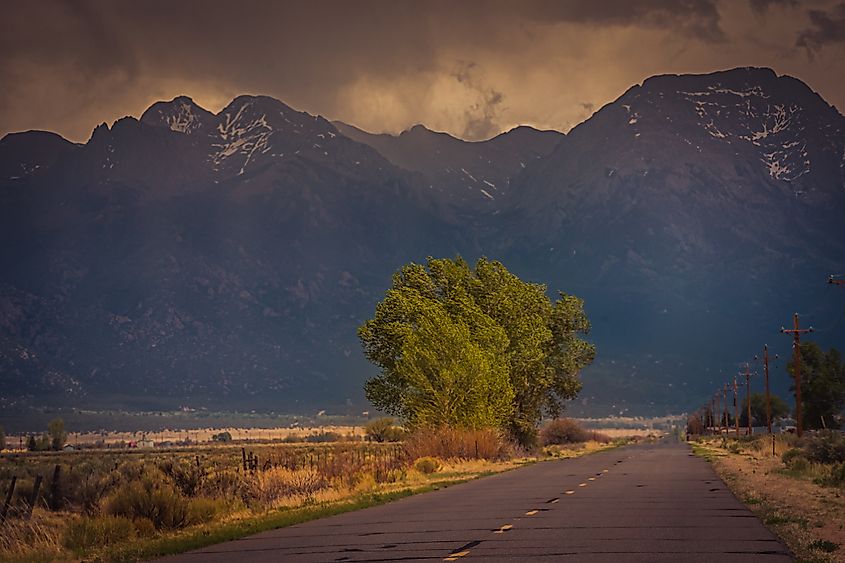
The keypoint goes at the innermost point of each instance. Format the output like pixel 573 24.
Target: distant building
pixel 146 444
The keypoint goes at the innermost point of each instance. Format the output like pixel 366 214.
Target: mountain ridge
pixel 218 259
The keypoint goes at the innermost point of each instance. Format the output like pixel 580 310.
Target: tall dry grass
pixel 41 535
pixel 454 443
pixel 276 485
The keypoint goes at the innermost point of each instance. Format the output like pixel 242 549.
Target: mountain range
pixel 225 260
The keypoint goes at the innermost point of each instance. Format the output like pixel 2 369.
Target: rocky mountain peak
pixel 180 114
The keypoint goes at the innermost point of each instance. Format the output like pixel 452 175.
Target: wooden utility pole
pixel 748 395
pixel 796 332
pixel 736 406
pixel 766 380
pixel 725 406
pixel 710 416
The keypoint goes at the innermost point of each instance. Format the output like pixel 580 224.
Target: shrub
pixel 826 446
pixel 97 531
pixel 791 454
pixel 798 464
pixel 454 443
pixel 837 475
pixel 834 476
pixel 384 430
pixel 223 484
pixel 151 498
pixel 201 510
pixel 144 528
pixel 427 465
pixel 563 431
pixel 324 437
pixel 222 437
pixel 89 492
pixel 185 475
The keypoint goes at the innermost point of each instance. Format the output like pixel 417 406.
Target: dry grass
pixel 575 450
pixel 37 538
pixel 286 487
pixel 452 443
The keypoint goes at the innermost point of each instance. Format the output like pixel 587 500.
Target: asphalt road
pixel 646 503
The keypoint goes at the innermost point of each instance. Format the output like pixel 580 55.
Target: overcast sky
pixel 472 68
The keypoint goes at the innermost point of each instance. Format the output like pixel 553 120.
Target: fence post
pixel 56 489
pixel 8 498
pixel 34 498
pixel 243 457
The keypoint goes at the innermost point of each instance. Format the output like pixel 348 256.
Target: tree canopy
pixel 56 431
pixel 474 347
pixel 758 409
pixel 822 385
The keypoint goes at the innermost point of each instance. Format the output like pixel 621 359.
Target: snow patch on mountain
pixel 184 120
pixel 749 115
pixel 180 115
pixel 243 134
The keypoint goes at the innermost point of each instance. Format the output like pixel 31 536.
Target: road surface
pixel 645 503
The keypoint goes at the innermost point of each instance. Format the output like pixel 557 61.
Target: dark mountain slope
pixel 470 176
pixel 226 260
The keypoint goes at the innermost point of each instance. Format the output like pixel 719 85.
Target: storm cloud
pixel 827 27
pixel 471 68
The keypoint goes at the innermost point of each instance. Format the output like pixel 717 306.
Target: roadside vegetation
pixel 795 486
pixel 129 505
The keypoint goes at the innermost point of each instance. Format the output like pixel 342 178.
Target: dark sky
pixel 472 68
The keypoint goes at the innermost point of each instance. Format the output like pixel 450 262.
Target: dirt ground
pixel 809 518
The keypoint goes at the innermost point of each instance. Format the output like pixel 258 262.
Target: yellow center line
pixel 591 479
pixel 582 484
pixel 605 470
pixel 455 556
pixel 503 529
pixel 531 512
pixel 569 492
pixel 555 501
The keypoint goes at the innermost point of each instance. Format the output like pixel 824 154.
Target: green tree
pixel 822 385
pixel 758 410
pixel 474 348
pixel 442 372
pixel 545 352
pixel 56 431
pixel 31 444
